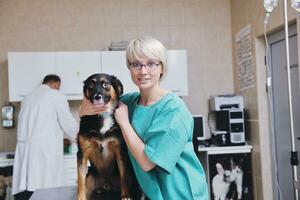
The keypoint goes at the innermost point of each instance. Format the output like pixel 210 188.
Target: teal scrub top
pixel 166 128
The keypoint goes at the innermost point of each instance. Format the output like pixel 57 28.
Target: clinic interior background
pixel 205 28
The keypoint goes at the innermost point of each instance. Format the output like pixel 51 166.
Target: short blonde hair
pixel 147 47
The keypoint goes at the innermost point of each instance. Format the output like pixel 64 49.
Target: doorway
pixel 281 119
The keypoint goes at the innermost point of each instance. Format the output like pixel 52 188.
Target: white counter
pixel 70 166
pixel 225 149
pixel 4 161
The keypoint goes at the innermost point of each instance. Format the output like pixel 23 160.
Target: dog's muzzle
pixel 98 99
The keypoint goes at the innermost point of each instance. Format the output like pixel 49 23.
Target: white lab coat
pixel 44 118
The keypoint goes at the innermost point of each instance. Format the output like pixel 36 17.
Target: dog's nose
pixel 98 97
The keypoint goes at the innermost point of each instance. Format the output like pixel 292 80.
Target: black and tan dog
pixel 100 142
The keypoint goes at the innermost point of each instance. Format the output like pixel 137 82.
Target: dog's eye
pixel 106 84
pixel 92 84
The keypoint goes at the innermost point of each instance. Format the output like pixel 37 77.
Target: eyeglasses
pixel 150 65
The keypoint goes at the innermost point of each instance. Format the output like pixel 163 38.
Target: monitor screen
pixel 199 128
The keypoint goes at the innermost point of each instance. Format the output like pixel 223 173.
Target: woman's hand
pixel 121 114
pixel 87 108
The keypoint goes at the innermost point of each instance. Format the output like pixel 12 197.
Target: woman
pixel 157 128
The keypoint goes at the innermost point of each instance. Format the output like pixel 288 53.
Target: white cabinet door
pixel 26 71
pixel 70 170
pixel 176 77
pixel 114 63
pixel 73 68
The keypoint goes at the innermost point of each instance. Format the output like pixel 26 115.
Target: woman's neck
pixel 149 97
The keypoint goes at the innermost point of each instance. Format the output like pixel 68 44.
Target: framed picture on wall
pixel 230 176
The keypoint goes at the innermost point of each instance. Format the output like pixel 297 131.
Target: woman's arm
pixel 134 143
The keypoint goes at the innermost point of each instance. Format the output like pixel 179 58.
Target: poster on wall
pixel 230 176
pixel 244 58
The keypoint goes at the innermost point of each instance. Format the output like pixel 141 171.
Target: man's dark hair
pixel 51 78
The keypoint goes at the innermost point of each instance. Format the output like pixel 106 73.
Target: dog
pixel 4 183
pixel 100 142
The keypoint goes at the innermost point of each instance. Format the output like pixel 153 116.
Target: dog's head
pixel 4 183
pixel 103 89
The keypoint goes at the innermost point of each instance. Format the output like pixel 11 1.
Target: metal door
pixel 282 146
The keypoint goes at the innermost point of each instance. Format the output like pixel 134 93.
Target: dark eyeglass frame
pixel 150 65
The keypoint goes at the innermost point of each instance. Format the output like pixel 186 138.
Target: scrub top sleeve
pixel 124 98
pixel 128 98
pixel 165 146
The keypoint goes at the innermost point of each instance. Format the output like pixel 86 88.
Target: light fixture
pixel 296 5
pixel 270 5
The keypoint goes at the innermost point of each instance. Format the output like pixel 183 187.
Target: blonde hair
pixel 147 47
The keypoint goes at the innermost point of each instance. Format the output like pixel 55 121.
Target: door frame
pixel 274 38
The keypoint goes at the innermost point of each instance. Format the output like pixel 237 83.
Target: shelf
pixel 213 150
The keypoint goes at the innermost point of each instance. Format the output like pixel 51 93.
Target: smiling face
pixel 139 54
pixel 145 76
pixel 101 89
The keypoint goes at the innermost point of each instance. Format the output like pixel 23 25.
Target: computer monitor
pixel 199 128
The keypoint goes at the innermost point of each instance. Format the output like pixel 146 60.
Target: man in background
pixel 44 118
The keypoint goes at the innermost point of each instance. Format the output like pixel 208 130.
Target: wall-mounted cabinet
pixel 27 69
pixel 114 62
pixel 176 78
pixel 73 68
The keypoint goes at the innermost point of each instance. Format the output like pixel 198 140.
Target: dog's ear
pixel 85 88
pixel 116 83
